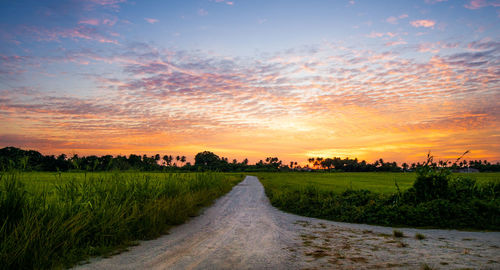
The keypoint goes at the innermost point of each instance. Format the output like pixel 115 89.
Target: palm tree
pixel 318 162
pixel 310 160
pixel 405 167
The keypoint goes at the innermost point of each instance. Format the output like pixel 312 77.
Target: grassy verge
pixel 70 220
pixel 435 198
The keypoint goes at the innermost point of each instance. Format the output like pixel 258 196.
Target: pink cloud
pixel 79 32
pixel 434 1
pixel 113 4
pixel 378 35
pixel 90 21
pixel 108 2
pixel 394 20
pixel 394 43
pixel 423 23
pixel 202 12
pixel 109 22
pixel 230 3
pixel 151 20
pixel 477 4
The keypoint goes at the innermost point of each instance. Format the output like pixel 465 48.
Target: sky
pixel 292 79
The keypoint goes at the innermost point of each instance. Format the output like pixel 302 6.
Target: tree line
pixel 12 158
pixel 353 165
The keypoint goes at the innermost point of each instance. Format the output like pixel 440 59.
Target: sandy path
pixel 243 231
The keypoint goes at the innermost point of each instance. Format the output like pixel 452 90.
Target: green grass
pixel 50 220
pixel 377 182
pixel 373 198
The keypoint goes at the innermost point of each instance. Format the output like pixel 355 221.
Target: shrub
pixel 431 182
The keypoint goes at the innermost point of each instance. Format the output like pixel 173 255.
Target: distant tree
pixel 207 160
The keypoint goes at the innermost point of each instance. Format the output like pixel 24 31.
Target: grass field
pixel 378 182
pixel 52 220
pixel 466 201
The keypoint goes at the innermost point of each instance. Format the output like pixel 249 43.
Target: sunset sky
pixel 244 78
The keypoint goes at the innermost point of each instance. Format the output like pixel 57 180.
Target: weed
pixel 426 267
pixel 397 233
pixel 318 253
pixel 358 259
pixel 419 236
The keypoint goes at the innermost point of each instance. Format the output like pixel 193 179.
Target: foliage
pixel 78 218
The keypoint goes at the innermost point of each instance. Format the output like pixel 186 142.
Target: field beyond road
pixel 431 198
pixel 377 182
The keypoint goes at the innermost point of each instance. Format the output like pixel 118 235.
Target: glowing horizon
pixel 252 79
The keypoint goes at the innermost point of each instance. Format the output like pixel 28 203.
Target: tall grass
pixel 77 219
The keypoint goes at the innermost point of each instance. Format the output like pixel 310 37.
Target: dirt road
pixel 243 231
